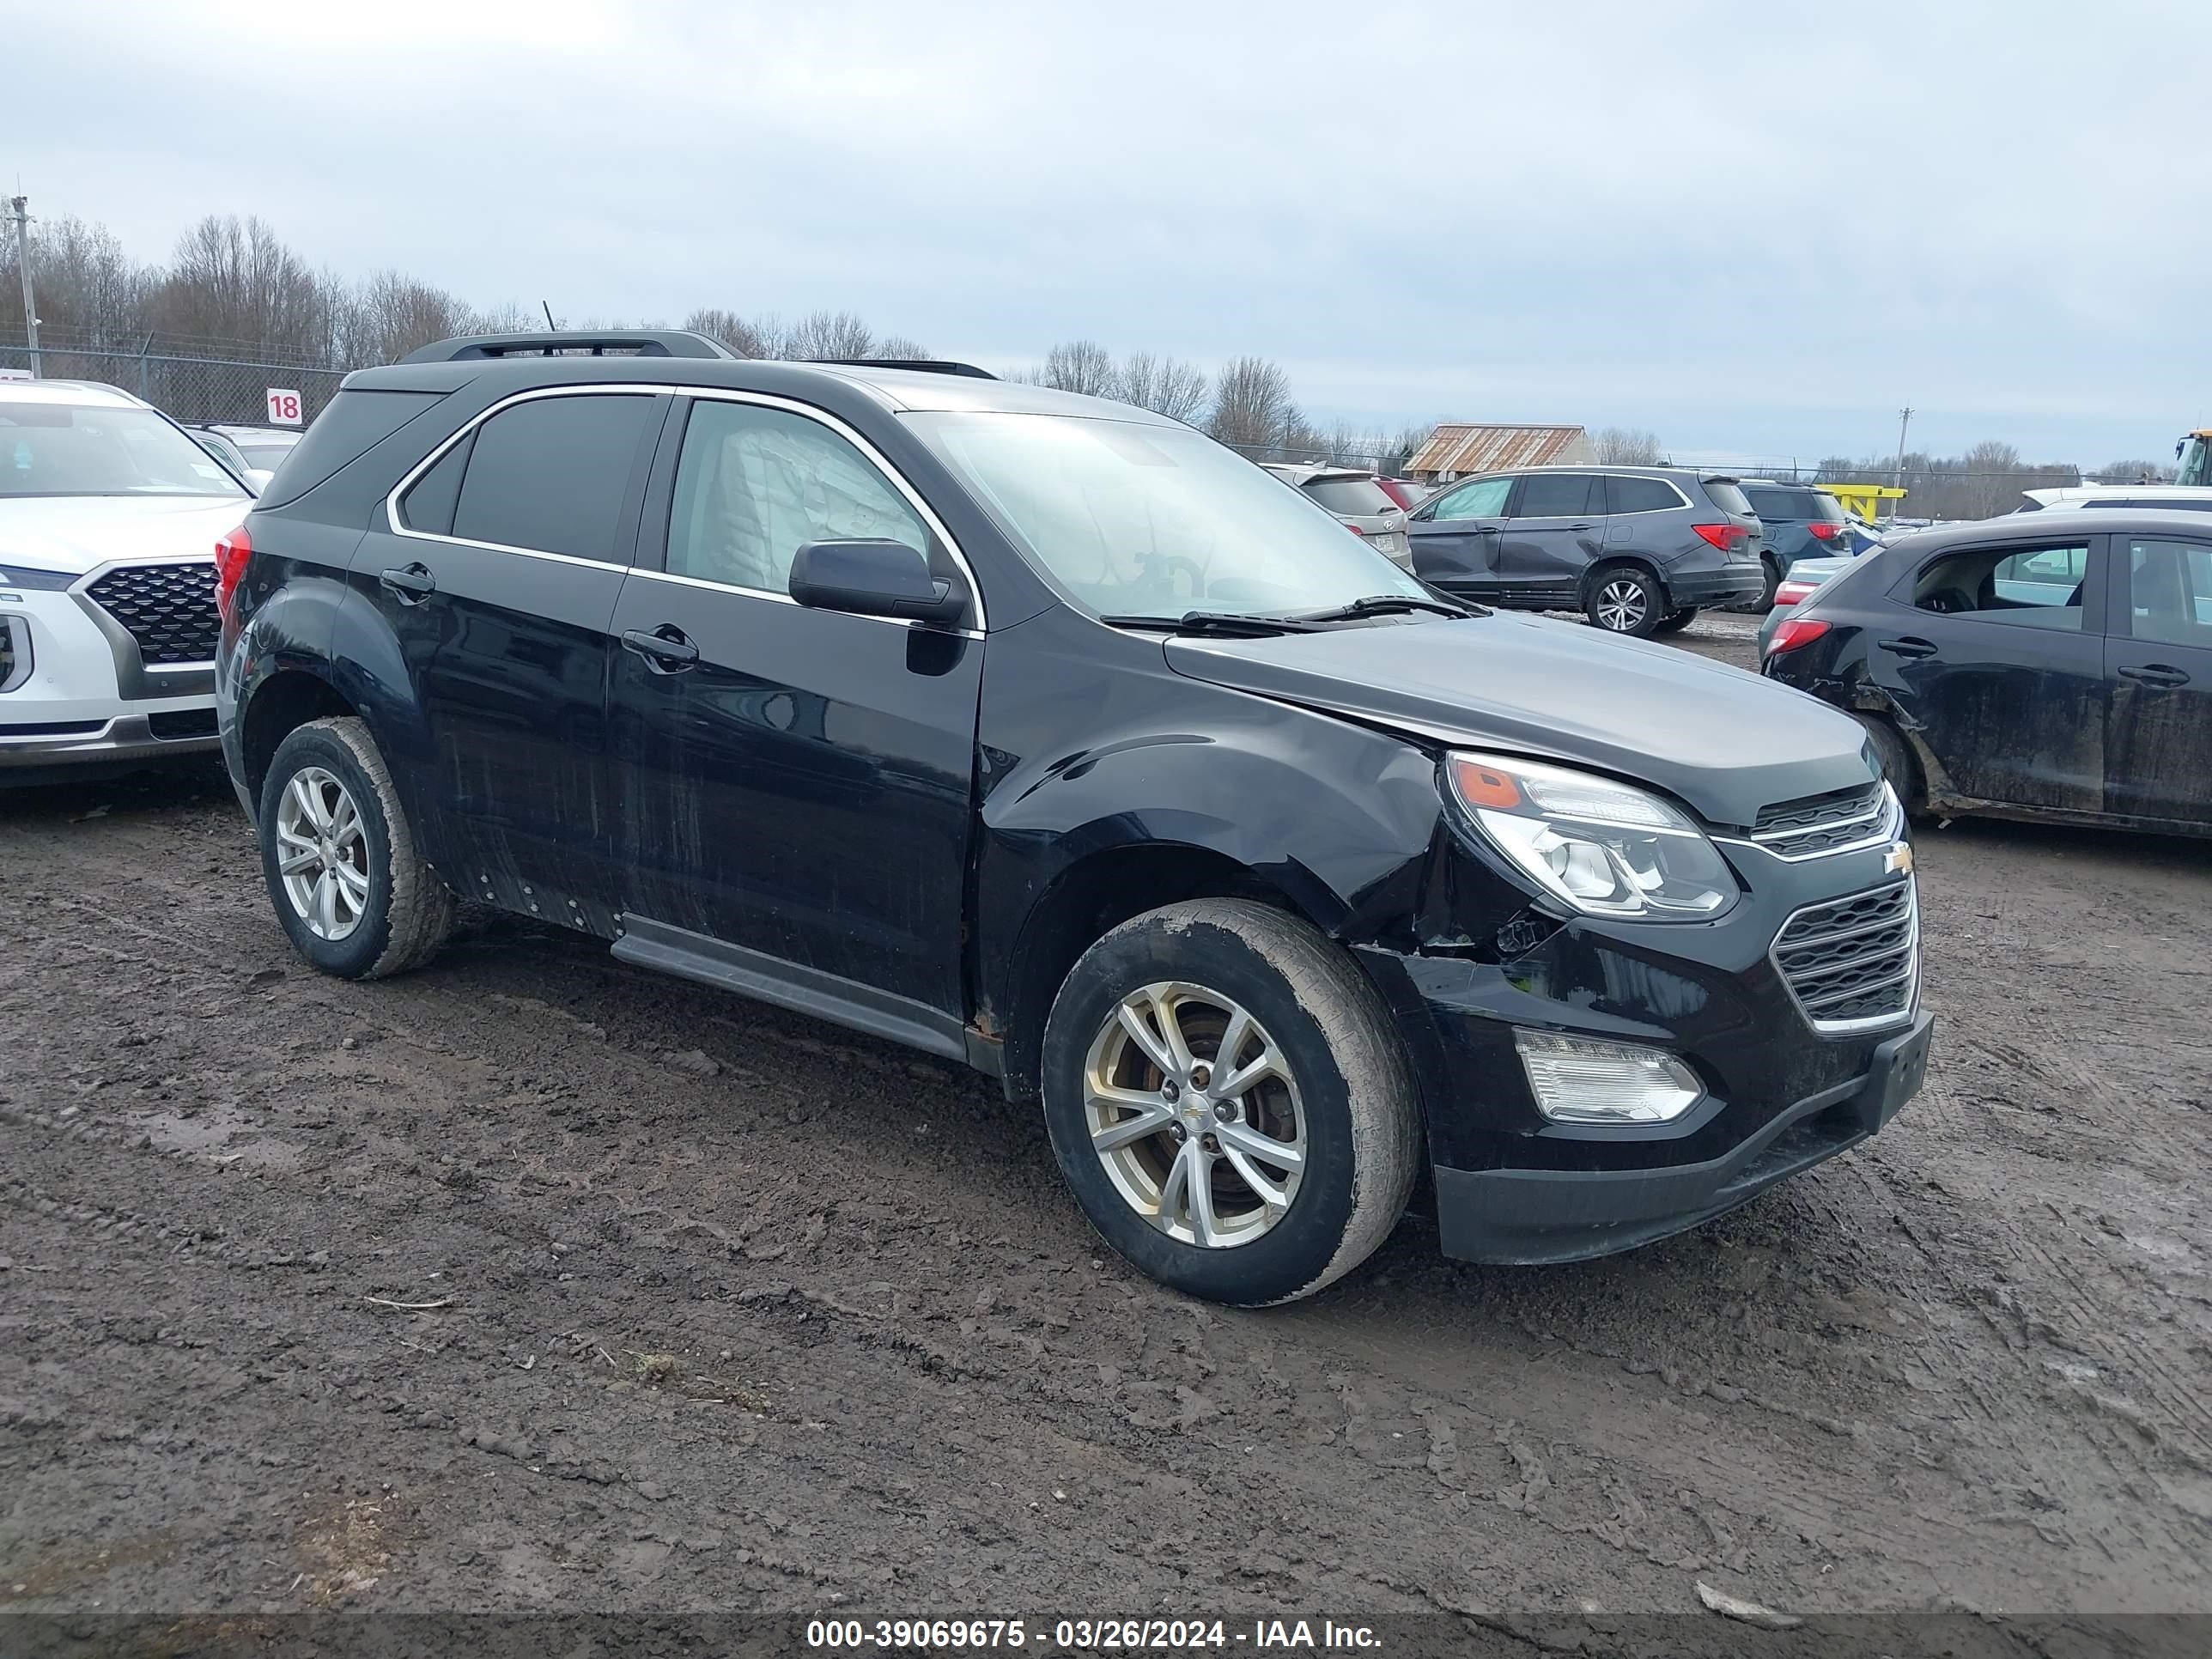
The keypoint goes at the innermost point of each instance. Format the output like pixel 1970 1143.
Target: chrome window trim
pixel 399 527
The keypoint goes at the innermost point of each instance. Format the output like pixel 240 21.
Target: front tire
pixel 1624 599
pixel 1894 758
pixel 1675 623
pixel 339 857
pixel 1229 1102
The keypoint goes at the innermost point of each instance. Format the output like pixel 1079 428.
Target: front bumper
pixel 77 696
pixel 1531 1216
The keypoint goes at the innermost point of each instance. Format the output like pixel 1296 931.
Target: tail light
pixel 1793 592
pixel 231 554
pixel 1793 632
pixel 1355 529
pixel 1728 537
pixel 1826 532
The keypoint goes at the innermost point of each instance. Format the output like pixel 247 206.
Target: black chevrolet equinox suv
pixel 1044 734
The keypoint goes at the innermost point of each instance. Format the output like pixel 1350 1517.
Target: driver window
pixel 2034 587
pixel 754 485
pixel 1483 499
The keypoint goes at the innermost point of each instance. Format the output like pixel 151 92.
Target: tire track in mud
pixel 883 1247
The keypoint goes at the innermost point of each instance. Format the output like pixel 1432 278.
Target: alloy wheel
pixel 1195 1116
pixel 1621 605
pixel 322 854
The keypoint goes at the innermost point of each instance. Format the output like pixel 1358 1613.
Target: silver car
pixel 1356 502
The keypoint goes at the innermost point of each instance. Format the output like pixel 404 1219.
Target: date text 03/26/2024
pixel 1103 1635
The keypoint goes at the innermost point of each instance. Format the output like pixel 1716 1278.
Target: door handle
pixel 2156 673
pixel 1909 647
pixel 410 583
pixel 1580 526
pixel 664 649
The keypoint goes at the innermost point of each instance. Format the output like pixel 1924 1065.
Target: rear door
pixel 497 576
pixel 1997 656
pixel 1554 531
pixel 2158 742
pixel 1455 537
pixel 796 784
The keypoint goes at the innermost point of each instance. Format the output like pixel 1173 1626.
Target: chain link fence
pixel 206 390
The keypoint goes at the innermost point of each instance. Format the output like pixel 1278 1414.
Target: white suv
pixel 109 515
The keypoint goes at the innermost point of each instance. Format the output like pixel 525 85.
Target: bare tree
pixel 1252 405
pixel 1166 386
pixel 900 346
pixel 822 335
pixel 88 290
pixel 1621 446
pixel 1083 366
pixel 2134 472
pixel 234 279
pixel 744 338
pixel 390 314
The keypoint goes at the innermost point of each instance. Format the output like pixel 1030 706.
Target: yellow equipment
pixel 1865 500
pixel 2194 454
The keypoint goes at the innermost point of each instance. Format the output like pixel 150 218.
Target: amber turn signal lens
pixel 1484 786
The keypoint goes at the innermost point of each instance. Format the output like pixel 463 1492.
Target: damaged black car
pixel 2052 666
pixel 1043 734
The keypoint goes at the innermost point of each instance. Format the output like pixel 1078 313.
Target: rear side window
pixel 1771 504
pixel 1724 493
pixel 1828 510
pixel 552 474
pixel 1641 495
pixel 1554 496
pixel 429 504
pixel 1354 497
pixel 354 423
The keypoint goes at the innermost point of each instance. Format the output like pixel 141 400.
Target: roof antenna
pixel 549 323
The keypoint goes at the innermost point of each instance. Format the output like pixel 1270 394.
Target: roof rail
pixel 638 342
pixel 925 365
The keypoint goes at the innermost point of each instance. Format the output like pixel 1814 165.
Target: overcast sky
pixel 1757 229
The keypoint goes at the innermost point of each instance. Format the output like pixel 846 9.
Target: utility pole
pixel 1903 420
pixel 23 264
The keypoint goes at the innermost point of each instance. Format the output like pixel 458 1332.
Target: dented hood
pixel 1726 741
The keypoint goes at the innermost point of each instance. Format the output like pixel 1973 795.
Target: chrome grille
pixel 1806 827
pixel 1853 964
pixel 169 609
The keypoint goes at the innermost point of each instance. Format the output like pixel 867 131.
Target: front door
pixel 1555 532
pixel 498 577
pixel 1455 537
pixel 2158 745
pixel 796 784
pixel 1997 654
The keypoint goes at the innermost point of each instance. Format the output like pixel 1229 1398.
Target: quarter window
pixel 1483 499
pixel 754 485
pixel 1641 495
pixel 2169 592
pixel 552 474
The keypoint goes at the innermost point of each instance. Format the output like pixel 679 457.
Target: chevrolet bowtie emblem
pixel 1898 862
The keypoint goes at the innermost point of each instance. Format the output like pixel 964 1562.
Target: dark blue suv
pixel 1801 521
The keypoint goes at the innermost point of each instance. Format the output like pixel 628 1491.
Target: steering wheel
pixel 1161 569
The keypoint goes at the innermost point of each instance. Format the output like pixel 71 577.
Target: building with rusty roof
pixel 1456 451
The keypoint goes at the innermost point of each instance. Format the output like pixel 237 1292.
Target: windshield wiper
pixel 1225 624
pixel 1383 604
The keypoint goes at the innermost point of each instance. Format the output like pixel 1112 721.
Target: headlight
pixel 17 575
pixel 1604 848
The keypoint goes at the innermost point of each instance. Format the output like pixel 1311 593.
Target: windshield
pixel 1156 520
pixel 81 449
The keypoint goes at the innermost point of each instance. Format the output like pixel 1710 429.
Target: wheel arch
pixel 283 700
pixel 1640 562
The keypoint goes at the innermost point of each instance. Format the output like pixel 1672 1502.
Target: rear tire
pixel 339 857
pixel 1303 1172
pixel 1625 600
pixel 1676 622
pixel 1765 602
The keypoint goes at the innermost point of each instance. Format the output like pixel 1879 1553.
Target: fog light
pixel 1583 1081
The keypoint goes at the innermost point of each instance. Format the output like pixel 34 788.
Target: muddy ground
pixel 534 1281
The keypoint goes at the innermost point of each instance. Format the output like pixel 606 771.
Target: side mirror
pixel 874 578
